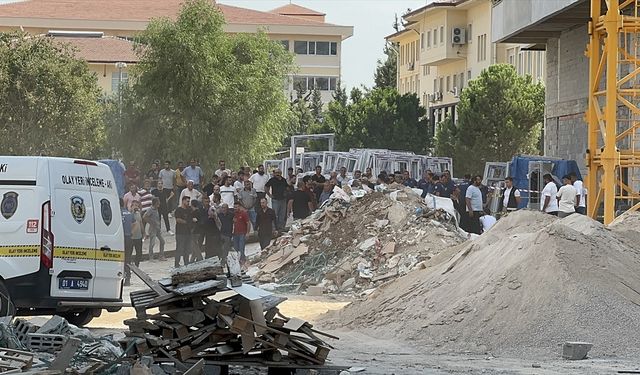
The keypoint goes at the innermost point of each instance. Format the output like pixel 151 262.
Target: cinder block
pixel 575 350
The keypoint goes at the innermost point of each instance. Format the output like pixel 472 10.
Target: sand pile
pixel 530 283
pixel 354 245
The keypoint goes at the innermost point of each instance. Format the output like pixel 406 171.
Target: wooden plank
pixel 289 350
pixel 257 315
pixel 247 334
pixel 154 285
pixel 69 349
pixel 294 324
pixel 181 366
pixel 197 369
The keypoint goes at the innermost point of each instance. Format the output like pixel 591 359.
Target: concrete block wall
pixel 565 133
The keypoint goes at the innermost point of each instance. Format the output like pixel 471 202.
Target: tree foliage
pixel 387 70
pixel 380 118
pixel 500 114
pixel 49 100
pixel 200 92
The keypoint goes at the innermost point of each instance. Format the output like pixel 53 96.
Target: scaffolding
pixel 613 116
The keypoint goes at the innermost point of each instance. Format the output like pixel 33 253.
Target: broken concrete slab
pixel 575 350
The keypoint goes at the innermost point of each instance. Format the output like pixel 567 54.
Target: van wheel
pixel 79 318
pixel 7 308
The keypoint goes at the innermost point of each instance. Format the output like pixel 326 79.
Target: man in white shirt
pixel 227 193
pixel 473 198
pixel 487 220
pixel 259 180
pixel 222 169
pixel 239 183
pixel 581 201
pixel 548 201
pixel 566 196
pixel 190 192
pixel 511 196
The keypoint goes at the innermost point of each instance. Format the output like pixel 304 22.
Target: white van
pixel 61 238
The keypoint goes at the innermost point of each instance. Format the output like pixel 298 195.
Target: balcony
pixel 535 21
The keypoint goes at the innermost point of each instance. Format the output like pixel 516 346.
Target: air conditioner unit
pixel 411 66
pixel 459 35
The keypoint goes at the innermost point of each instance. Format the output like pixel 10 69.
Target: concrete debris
pixel 56 347
pixel 366 241
pixel 576 350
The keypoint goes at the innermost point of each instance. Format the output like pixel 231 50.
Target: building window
pixel 441 34
pixel 461 81
pixel 435 85
pixel 468 75
pixel 422 41
pixel 417 52
pixel 118 81
pixel 482 47
pixel 285 44
pixel 435 37
pixel 322 48
pixel 469 34
pixel 426 70
pixel 448 83
pixel 301 47
pixel 441 84
pixel 311 83
pixel 429 39
pixel 455 81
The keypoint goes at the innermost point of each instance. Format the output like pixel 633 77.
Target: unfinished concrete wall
pixel 565 133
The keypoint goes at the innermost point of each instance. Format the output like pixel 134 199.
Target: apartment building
pixel 447 43
pixel 110 25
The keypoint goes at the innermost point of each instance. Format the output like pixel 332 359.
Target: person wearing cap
pixel 191 192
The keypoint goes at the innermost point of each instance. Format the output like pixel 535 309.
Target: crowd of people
pixel 213 216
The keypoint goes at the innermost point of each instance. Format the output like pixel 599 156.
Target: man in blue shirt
pixel 127 223
pixel 425 183
pixel 194 173
pixel 447 184
pixel 408 181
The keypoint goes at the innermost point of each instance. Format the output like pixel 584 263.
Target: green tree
pixel 500 114
pixel 200 92
pixel 303 118
pixel 49 100
pixel 387 70
pixel 316 105
pixel 380 118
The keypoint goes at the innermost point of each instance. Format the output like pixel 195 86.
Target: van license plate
pixel 81 284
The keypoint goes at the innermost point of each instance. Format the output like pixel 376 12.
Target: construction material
pixel 576 350
pixel 351 245
pixel 522 289
pixel 191 325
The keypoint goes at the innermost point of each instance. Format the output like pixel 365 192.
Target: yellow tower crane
pixel 613 116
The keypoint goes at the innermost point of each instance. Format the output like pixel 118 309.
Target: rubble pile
pixel 352 245
pixel 56 347
pixel 201 314
pixel 530 283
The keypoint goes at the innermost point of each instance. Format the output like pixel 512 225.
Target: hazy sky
pixel 372 21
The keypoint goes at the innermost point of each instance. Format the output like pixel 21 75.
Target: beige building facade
pixel 446 44
pixel 316 44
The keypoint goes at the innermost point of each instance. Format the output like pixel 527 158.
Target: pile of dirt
pixel 354 244
pixel 529 284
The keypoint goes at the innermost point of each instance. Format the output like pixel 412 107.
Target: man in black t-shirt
pixel 164 196
pixel 184 220
pixel 276 189
pixel 300 204
pixel 318 182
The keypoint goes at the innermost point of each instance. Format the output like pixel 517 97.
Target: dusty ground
pixel 382 355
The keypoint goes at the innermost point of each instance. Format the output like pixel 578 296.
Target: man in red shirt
pixel 240 229
pixel 132 175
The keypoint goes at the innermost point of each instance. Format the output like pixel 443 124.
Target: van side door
pixel 73 227
pixel 109 233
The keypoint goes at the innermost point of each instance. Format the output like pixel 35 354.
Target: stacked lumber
pixel 185 318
